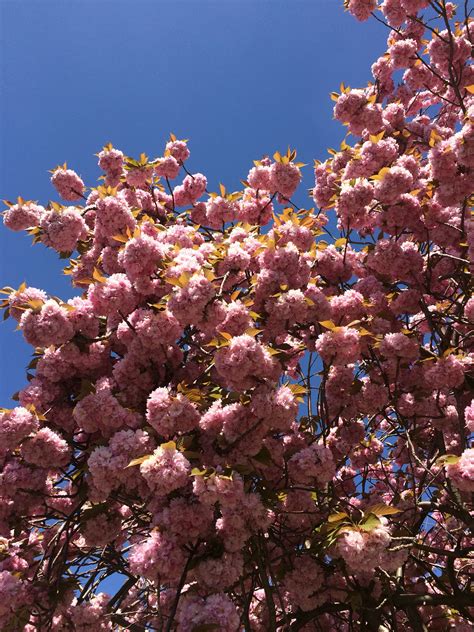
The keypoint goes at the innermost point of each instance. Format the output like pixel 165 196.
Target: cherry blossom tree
pixel 255 416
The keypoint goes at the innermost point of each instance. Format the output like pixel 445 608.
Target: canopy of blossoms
pixel 254 416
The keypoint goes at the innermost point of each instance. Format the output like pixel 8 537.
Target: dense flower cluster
pixel 245 426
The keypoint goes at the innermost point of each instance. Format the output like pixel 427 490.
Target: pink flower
pixel 216 610
pixel 469 416
pixel 102 411
pixel 178 150
pixel 111 161
pixel 185 521
pixel 361 9
pixel 101 529
pixel 18 301
pixel 363 551
pixel 461 473
pixel 153 331
pixel 62 230
pixel 49 325
pixel 254 209
pixel 219 211
pixel 349 105
pixel 394 261
pixel 22 216
pixel 168 167
pixel 108 464
pixel 301 236
pixel 469 310
pixel 382 71
pixel 352 202
pixel 304 582
pixel 243 362
pixel 141 257
pixel 332 265
pixel 319 307
pixel 194 186
pixel 403 52
pixel 400 346
pixel 413 6
pixel 315 462
pixel 277 407
pixel 228 491
pixel 236 319
pixel 394 183
pixel 158 558
pixel 394 12
pixel 14 596
pixel 339 346
pixel 46 449
pixel 219 573
pixel 440 51
pixel 284 178
pixel 139 177
pixel 87 616
pixel 114 295
pixel 68 184
pixel 259 178
pixel 171 415
pixel 15 425
pixel 289 308
pixel 82 317
pixel 347 307
pixel 113 216
pixel 445 373
pixel 165 470
pixel 188 304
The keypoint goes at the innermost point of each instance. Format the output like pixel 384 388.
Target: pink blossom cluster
pixel 242 361
pixel 16 425
pixel 68 184
pixel 461 473
pixel 46 325
pixel 165 470
pixel 217 611
pixel 170 415
pixel 62 230
pixel 23 215
pixel 157 558
pixel 254 415
pixel 363 550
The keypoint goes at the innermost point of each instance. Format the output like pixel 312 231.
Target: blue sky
pixel 239 78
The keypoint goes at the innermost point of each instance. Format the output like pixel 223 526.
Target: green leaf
pixel 328 324
pixel 206 472
pixel 370 522
pixel 263 456
pixel 297 389
pixel 98 276
pixel 87 387
pixel 382 510
pixel 191 454
pixel 169 445
pixel 337 517
pixel 243 469
pixel 447 459
pixel 139 460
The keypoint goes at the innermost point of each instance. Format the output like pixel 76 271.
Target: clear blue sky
pixel 239 78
